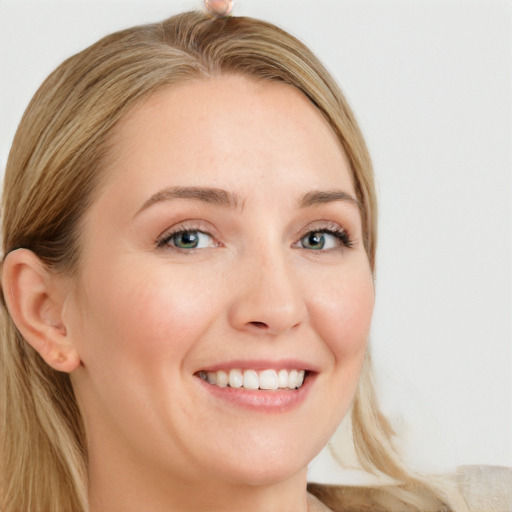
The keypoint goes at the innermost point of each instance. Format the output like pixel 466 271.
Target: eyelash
pixel 336 231
pixel 166 239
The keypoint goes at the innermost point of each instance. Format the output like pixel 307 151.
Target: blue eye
pixel 325 239
pixel 188 239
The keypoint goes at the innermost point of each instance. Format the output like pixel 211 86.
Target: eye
pixel 187 239
pixel 325 239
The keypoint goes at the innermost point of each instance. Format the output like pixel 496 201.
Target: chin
pixel 263 463
pixel 267 473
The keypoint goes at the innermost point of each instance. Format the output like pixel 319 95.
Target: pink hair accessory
pixel 218 8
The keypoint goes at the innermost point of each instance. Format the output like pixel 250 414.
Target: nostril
pixel 259 325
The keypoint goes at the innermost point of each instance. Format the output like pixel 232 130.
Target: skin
pixel 143 319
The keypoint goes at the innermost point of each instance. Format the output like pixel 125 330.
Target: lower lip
pixel 278 401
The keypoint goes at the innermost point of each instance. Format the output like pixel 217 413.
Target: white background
pixel 430 83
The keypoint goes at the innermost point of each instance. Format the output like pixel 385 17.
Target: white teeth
pixel 292 379
pixel 268 379
pixel 222 379
pixel 236 379
pixel 251 379
pixel 282 378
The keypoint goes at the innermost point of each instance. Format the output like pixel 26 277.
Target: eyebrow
pixel 318 197
pixel 206 194
pixel 224 198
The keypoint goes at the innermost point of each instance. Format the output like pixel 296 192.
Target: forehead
pixel 229 130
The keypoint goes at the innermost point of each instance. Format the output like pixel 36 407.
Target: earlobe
pixel 35 302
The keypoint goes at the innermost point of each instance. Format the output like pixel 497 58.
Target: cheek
pixel 142 314
pixel 138 324
pixel 342 313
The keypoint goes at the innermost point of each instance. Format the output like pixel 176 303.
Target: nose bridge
pixel 268 298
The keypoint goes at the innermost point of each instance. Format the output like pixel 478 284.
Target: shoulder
pixel 484 488
pixel 315 505
pixel 380 498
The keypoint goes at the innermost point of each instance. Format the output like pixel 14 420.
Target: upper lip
pixel 260 364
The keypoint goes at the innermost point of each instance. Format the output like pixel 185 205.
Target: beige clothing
pixel 484 488
pixel 315 505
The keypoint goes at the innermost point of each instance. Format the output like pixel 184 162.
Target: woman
pixel 189 239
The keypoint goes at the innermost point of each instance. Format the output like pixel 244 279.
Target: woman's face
pixel 225 244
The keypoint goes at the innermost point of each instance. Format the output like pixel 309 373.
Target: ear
pixel 35 299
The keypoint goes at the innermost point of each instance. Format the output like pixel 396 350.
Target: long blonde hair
pixel 56 161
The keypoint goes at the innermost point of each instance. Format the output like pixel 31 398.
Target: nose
pixel 267 298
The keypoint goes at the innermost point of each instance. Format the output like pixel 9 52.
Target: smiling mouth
pixel 269 380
